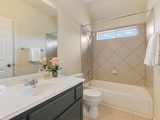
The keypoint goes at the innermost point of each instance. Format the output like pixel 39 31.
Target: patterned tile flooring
pixel 108 113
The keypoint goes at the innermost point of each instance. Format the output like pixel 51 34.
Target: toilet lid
pixel 90 93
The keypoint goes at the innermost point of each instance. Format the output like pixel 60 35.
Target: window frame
pixel 118 30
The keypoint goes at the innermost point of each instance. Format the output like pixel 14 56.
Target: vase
pixel 55 74
pixel 46 75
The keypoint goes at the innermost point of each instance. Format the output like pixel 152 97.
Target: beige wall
pixel 69 14
pixel 32 23
pixel 149 70
pixel 136 19
pixel 156 78
pixel 125 55
pixel 23 65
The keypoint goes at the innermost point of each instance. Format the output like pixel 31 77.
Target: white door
pixel 6 48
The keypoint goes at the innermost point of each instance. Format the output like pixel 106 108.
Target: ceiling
pixel 105 9
pixel 41 4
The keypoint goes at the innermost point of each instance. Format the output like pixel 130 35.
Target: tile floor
pixel 108 113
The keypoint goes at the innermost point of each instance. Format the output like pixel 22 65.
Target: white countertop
pixel 14 102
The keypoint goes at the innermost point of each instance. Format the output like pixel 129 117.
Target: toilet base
pixel 93 112
pixel 85 110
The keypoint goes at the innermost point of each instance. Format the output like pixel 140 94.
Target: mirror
pixel 28 31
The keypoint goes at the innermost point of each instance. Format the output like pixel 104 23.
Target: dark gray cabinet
pixel 73 113
pixel 66 106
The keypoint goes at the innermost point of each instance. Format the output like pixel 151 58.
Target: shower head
pixel 85 31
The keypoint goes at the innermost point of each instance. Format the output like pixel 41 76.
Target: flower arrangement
pixel 54 67
pixel 43 62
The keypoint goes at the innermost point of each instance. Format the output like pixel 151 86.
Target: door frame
pixel 14 36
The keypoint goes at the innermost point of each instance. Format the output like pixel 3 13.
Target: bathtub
pixel 130 98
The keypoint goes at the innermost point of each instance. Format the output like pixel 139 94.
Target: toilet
pixel 91 98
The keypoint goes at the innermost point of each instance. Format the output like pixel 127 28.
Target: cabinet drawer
pixel 74 113
pixel 53 109
pixel 79 92
pixel 18 119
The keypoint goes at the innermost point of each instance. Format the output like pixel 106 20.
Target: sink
pixel 40 88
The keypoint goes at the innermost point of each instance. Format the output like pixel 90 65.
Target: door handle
pixel 9 65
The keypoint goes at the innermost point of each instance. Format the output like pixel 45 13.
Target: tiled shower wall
pixel 125 55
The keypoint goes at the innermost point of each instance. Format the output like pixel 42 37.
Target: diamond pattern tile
pixel 109 67
pixel 95 66
pixel 140 51
pixel 133 43
pixel 141 82
pixel 108 72
pixel 124 54
pixel 124 67
pixel 100 59
pixel 141 69
pixel 133 60
pixel 95 51
pixel 122 78
pixel 122 40
pixel 99 74
pixel 133 77
pixel 107 52
pixel 99 44
pixel 115 60
pixel 115 44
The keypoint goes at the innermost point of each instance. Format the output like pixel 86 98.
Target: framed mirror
pixel 28 31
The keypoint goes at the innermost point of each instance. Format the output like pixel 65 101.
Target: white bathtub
pixel 134 99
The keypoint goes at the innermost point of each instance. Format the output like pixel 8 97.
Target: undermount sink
pixel 39 89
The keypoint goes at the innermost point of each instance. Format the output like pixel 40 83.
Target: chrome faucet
pixel 32 82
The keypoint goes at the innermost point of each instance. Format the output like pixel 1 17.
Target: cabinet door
pixel 74 113
pixel 52 110
pixel 79 92
pixel 20 117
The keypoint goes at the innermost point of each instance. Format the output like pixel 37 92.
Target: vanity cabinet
pixel 65 106
pixel 74 112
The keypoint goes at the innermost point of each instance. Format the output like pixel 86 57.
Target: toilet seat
pixel 91 93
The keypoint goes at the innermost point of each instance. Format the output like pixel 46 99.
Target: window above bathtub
pixel 118 33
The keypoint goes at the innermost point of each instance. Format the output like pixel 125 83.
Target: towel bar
pixel 28 49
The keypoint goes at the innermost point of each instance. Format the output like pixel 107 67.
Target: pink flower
pixel 55 61
pixel 43 61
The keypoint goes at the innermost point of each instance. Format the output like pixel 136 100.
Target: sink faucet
pixel 32 82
